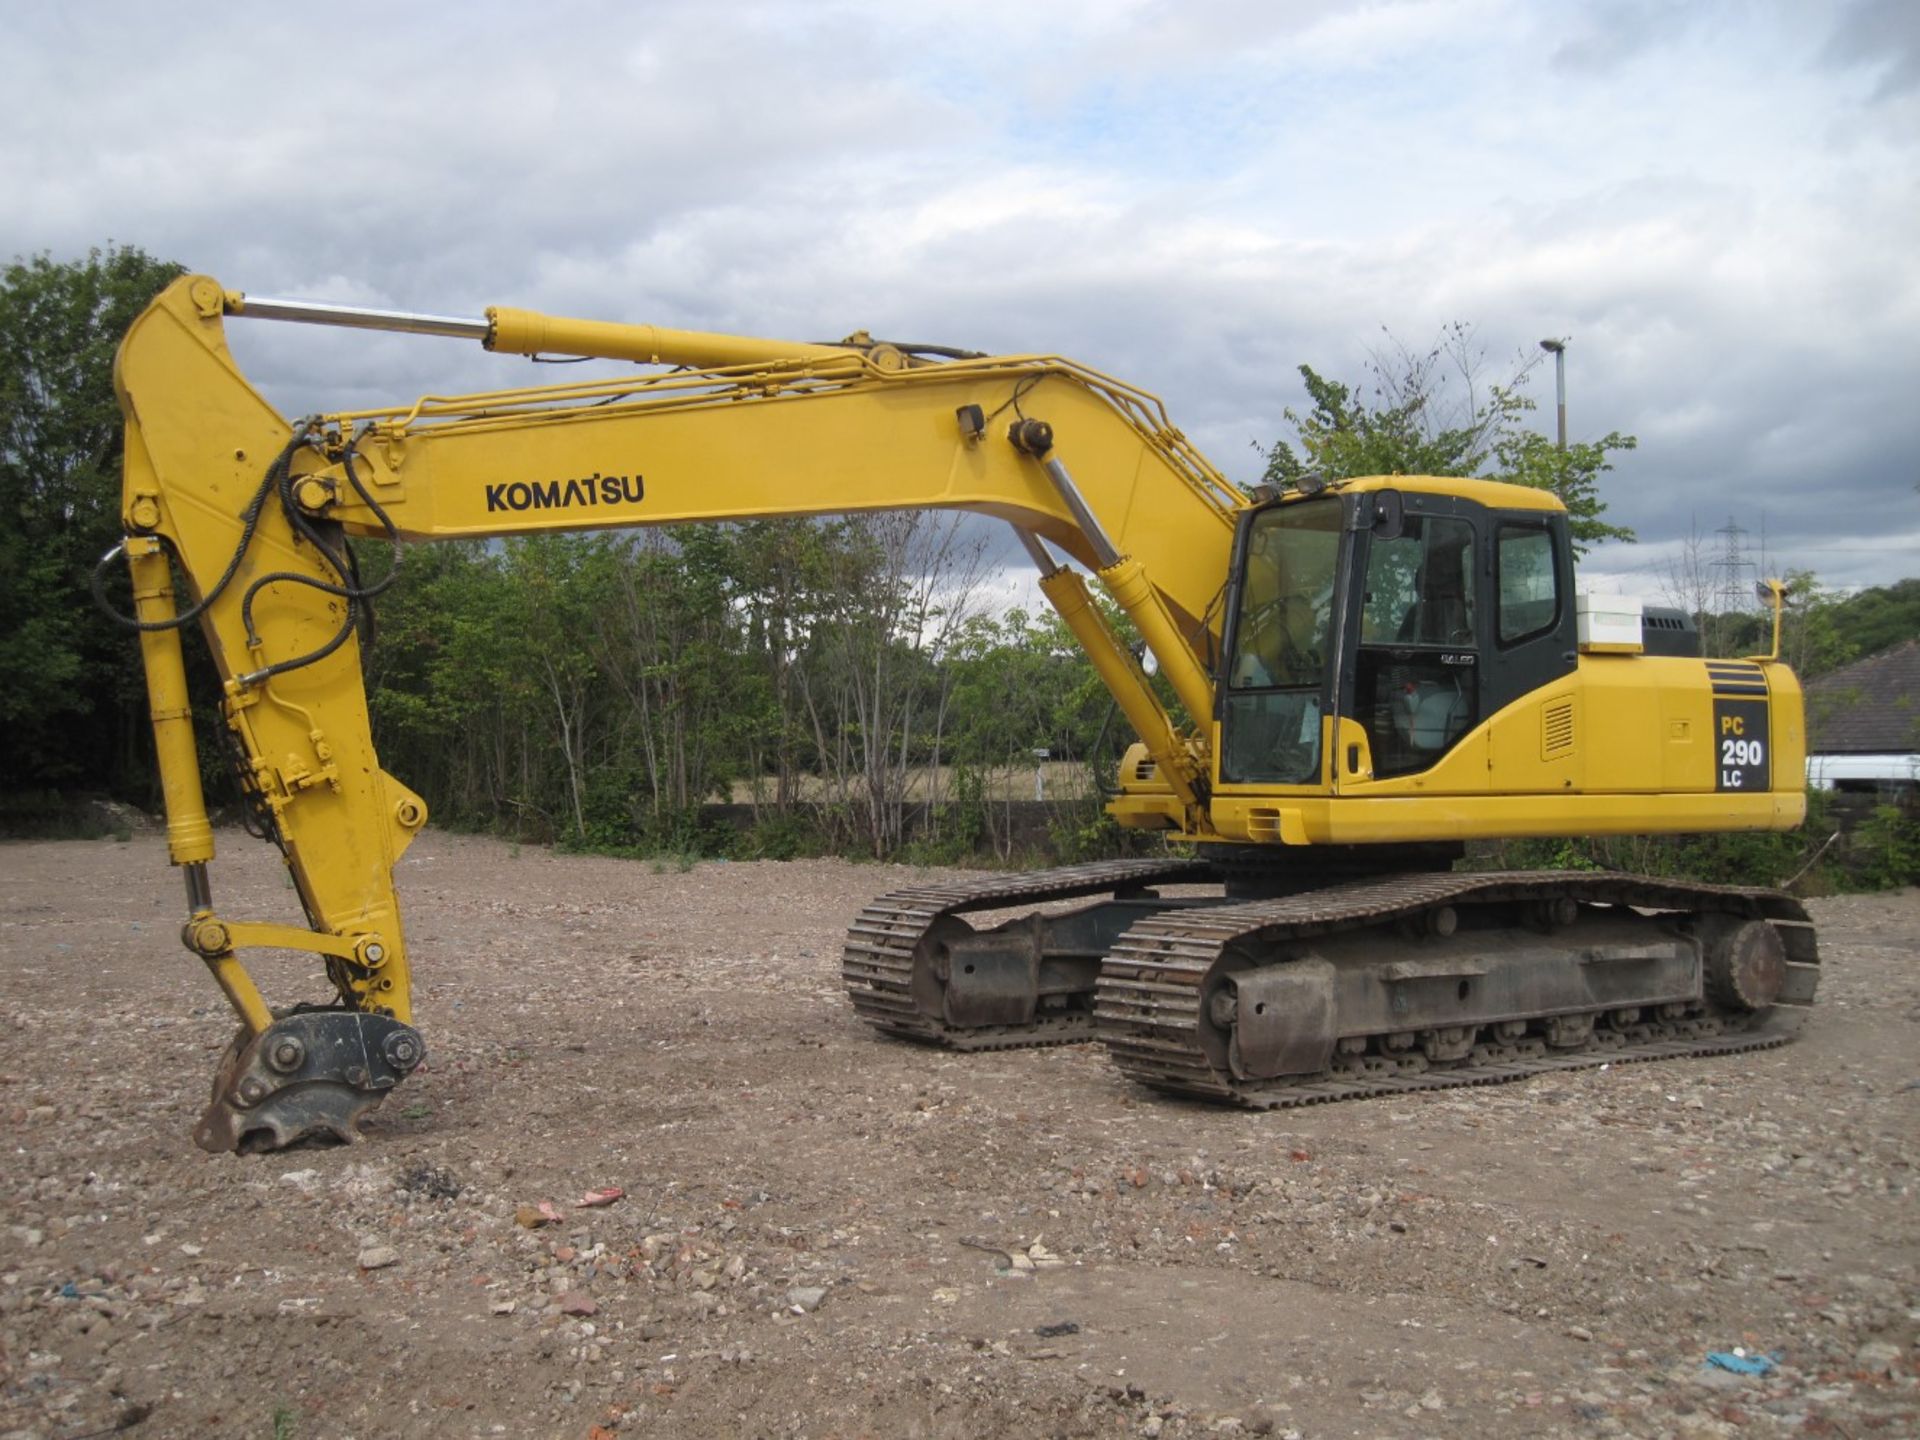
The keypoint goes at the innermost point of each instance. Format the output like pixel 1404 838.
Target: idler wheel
pixel 1746 965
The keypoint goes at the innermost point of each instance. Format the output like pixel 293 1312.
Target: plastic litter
pixel 1741 1363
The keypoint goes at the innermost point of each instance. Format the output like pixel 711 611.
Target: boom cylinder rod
pixel 1119 671
pixel 199 890
pixel 527 332
pixel 1043 561
pixel 1125 578
pixel 1090 526
pixel 356 317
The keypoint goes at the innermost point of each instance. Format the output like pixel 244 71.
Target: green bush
pixel 1885 850
pixel 46 815
pixel 777 836
pixel 1088 832
pixel 610 815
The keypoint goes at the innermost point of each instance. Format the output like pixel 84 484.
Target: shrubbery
pixel 1882 853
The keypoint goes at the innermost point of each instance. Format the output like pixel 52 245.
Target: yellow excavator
pixel 1368 674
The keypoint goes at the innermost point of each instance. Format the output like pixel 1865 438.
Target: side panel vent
pixel 1145 770
pixel 1667 631
pixel 1556 730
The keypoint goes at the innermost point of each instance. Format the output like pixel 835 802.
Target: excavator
pixel 1364 675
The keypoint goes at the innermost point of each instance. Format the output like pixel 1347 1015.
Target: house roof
pixel 1871 707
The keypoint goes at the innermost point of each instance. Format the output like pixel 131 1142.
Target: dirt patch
pixel 825 1233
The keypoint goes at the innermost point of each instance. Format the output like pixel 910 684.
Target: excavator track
pixel 1153 993
pixel 892 936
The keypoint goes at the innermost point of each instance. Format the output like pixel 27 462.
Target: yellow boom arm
pixel 251 509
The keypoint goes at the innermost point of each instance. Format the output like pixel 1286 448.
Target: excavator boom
pixel 252 510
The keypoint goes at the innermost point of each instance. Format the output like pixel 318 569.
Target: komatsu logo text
pixel 595 489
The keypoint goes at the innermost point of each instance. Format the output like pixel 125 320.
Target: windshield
pixel 1277 670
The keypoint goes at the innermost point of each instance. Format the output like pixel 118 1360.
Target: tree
pixel 669 642
pixel 1020 682
pixel 1434 414
pixel 875 679
pixel 72 710
pixel 1525 457
pixel 451 705
pixel 1882 616
pixel 1688 584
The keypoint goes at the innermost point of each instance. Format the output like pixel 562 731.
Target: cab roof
pixel 1494 494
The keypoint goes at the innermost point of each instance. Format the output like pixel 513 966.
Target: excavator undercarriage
pixel 1375 986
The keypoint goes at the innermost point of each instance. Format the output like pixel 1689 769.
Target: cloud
pixel 1716 203
pixel 1883 38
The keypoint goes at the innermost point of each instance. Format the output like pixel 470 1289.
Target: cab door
pixel 1417 610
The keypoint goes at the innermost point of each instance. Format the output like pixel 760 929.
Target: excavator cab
pixel 1412 610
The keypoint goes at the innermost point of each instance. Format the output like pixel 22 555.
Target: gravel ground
pixel 828 1234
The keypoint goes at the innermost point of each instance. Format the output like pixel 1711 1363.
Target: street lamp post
pixel 1558 349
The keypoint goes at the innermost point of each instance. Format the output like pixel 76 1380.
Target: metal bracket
pixel 315 1072
pixel 1283 1020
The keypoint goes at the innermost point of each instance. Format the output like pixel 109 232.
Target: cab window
pixel 1529 583
pixel 1277 671
pixel 1417 679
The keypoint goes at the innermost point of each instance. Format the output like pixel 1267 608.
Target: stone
pixel 1877 1357
pixel 378 1257
pixel 1709 1377
pixel 575 1303
pixel 806 1298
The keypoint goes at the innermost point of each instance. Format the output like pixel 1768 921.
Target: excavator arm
pixel 237 519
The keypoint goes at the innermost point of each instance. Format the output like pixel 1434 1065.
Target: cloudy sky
pixel 1719 203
